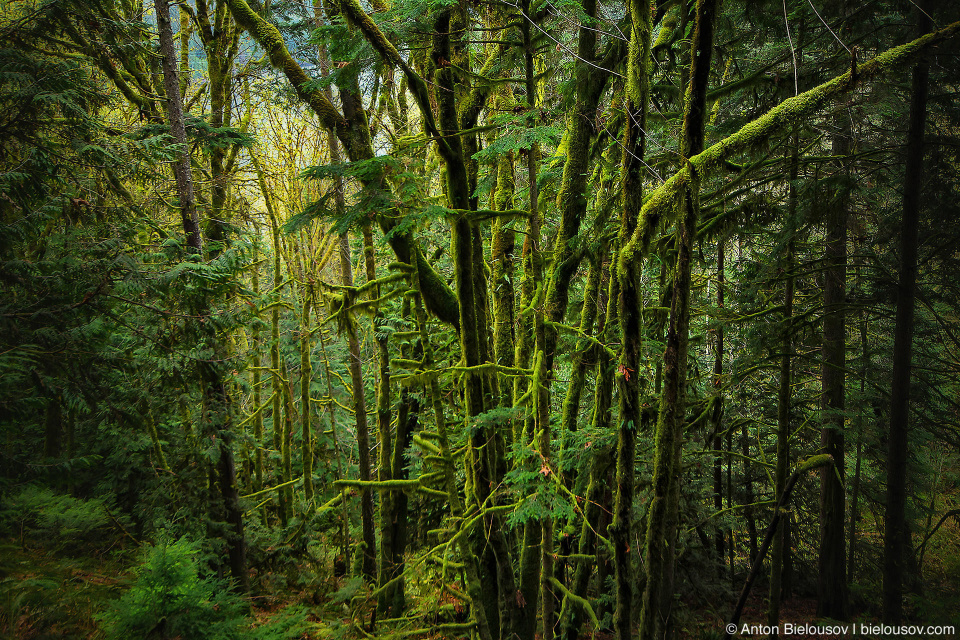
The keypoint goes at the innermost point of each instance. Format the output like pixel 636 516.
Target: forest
pixel 519 319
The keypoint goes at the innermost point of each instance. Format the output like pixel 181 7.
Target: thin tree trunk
pixel 469 558
pixel 855 492
pixel 306 413
pixel 368 567
pixel 780 549
pixel 664 506
pixel 255 363
pixel 718 409
pixel 629 310
pixel 178 130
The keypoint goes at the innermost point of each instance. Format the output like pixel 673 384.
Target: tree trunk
pixel 664 506
pixel 895 547
pixel 718 409
pixel 629 311
pixel 832 579
pixel 368 567
pixel 306 413
pixel 178 130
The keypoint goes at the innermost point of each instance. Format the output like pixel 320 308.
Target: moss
pixel 814 462
pixel 782 117
pixel 269 37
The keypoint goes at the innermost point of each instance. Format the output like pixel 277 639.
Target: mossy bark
pixel 306 412
pixel 368 567
pixel 220 39
pixel 655 616
pixel 573 195
pixel 628 304
pixel 469 558
pixel 570 412
pixel 175 118
pixel 276 414
pixel 502 246
pixel 286 442
pixel 255 374
pixel 600 468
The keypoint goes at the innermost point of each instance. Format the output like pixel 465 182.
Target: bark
pixel 896 537
pixel 832 580
pixel 178 131
pixel 664 506
pixel 286 441
pixel 749 498
pixel 532 555
pixel 600 468
pixel 469 558
pixel 573 193
pixel 353 132
pixel 718 409
pixel 306 412
pixel 629 311
pixel 855 492
pixel 221 44
pixel 570 413
pixel 502 246
pixel 255 363
pixel 369 562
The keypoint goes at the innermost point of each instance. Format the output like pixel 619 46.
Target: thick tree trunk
pixel 896 537
pixel 832 579
pixel 629 311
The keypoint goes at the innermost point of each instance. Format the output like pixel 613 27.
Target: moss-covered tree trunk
pixel 178 131
pixel 662 516
pixel 306 412
pixel 469 559
pixel 368 566
pixel 630 314
pixel 220 38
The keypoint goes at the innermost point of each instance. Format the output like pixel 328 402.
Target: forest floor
pixel 48 594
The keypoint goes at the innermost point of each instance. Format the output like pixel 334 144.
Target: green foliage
pixel 171 597
pixel 43 515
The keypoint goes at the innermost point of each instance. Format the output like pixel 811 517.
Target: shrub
pixel 172 598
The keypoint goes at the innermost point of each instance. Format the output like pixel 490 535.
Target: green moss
pixel 784 117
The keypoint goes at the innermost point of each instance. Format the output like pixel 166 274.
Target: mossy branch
pixel 577 600
pixel 783 117
pixel 379 485
pixel 269 37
